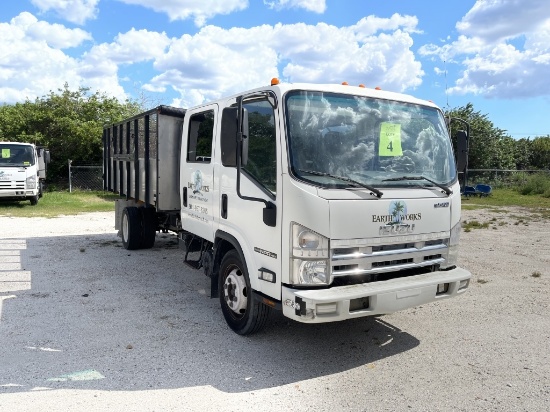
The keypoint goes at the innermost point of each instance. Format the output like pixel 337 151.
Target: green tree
pixel 540 152
pixel 488 144
pixel 523 154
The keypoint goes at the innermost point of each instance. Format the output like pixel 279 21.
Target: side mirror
pixel 462 150
pixel 228 138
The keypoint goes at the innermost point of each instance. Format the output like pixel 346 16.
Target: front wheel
pixel 242 313
pixel 34 200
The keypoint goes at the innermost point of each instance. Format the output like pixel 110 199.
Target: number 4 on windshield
pixel 390 140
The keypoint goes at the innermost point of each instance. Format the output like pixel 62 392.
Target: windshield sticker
pixel 390 140
pixel 5 153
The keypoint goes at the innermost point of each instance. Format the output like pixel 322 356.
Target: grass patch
pixel 61 203
pixel 504 198
pixel 474 224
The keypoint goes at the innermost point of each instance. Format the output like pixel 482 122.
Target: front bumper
pixel 17 194
pixel 368 299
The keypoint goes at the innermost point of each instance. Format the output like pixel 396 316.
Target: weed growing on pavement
pixel 474 224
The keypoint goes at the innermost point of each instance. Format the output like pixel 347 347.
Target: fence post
pixel 70 183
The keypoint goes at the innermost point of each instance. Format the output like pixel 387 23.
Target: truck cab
pixel 338 201
pixel 22 171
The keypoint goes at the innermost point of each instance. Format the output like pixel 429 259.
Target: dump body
pixel 141 157
pixel 141 162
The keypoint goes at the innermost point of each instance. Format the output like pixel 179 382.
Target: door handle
pixel 224 206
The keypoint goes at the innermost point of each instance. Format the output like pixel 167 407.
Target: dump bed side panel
pixel 141 157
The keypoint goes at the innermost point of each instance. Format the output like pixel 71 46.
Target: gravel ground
pixel 88 326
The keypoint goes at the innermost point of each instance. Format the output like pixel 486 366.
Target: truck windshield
pixel 16 155
pixel 380 143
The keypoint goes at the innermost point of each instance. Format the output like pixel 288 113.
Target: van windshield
pixel 372 141
pixel 16 155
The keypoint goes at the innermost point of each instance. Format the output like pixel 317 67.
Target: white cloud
pixel 211 63
pixel 187 9
pixel 33 63
pixel 316 6
pixel 75 11
pixel 503 49
pixel 370 25
pixel 496 20
pixel 217 62
pixel 131 47
pixel 25 26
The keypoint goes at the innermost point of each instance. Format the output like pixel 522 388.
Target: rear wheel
pixel 131 228
pixel 149 227
pixel 242 313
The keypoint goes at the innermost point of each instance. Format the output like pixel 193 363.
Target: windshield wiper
pixel 442 187
pixel 375 191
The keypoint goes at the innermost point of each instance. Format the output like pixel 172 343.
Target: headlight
pixel 31 182
pixel 452 245
pixel 310 257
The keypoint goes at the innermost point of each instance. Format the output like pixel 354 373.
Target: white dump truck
pixel 22 171
pixel 328 202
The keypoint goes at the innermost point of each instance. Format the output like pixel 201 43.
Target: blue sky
pixel 492 53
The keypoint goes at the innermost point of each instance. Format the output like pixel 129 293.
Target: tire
pixel 40 189
pixel 130 227
pixel 34 200
pixel 242 313
pixel 149 227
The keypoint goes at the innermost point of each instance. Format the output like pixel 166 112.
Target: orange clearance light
pixel 362 85
pixel 377 88
pixel 275 81
pixel 345 83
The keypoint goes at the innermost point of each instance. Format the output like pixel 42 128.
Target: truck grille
pixel 11 185
pixel 369 262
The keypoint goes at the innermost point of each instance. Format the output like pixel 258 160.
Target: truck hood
pixel 13 173
pixel 361 219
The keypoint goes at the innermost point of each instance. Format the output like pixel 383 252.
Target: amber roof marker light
pixel 275 81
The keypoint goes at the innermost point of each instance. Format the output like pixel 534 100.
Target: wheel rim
pixel 125 227
pixel 234 290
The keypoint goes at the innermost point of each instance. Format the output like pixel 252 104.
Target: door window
pixel 262 148
pixel 201 131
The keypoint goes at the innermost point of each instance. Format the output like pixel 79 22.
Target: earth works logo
pixel 196 183
pixel 396 221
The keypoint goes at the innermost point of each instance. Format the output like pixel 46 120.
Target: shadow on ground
pixel 97 316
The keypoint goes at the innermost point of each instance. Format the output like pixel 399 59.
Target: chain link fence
pixel 85 176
